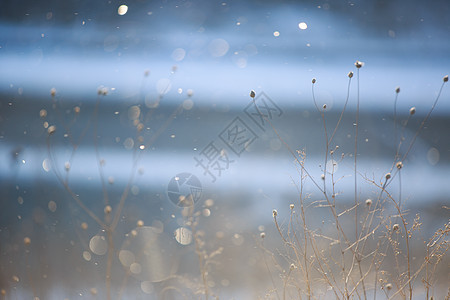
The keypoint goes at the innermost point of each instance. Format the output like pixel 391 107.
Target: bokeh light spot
pixel 183 235
pixel 123 9
pixel 302 25
pixel 98 245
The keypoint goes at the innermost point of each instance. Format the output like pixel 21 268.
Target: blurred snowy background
pixel 204 56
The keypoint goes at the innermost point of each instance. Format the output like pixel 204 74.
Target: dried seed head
pixel 107 209
pixel 140 223
pixel 26 241
pixel 387 176
pixel 313 80
pixel 42 113
pixel 445 78
pixel 350 74
pixel 101 90
pixel 395 227
pixel 397 89
pixel 359 64
pixel 275 213
pixel 389 286
pixel 369 202
pixel 399 165
pixel 51 129
pixel 262 235
pixel 53 92
pixel 412 110
pixel 252 94
pixel 291 206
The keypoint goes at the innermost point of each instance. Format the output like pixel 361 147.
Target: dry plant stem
pixel 166 124
pixel 111 227
pixel 315 183
pixel 97 153
pixel 326 136
pixel 109 235
pixel 399 188
pixel 263 250
pixel 400 143
pixel 200 254
pixel 328 142
pixel 377 268
pixel 342 251
pixel 288 147
pixel 285 283
pixel 306 172
pixel 69 133
pixel 323 272
pixel 356 154
pixel 395 125
pixel 298 258
pixel 305 265
pixel 60 118
pixel 422 124
pixel 383 188
pixel 279 230
pixel 74 196
pixel 356 254
pixel 416 274
pixel 367 229
pixel 124 283
pixel 424 121
pixel 303 169
pixel 202 267
pixel 436 242
pixel 160 96
pixel 404 223
pixel 342 112
pixel 305 230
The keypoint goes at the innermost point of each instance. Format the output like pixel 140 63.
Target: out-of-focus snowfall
pixel 194 63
